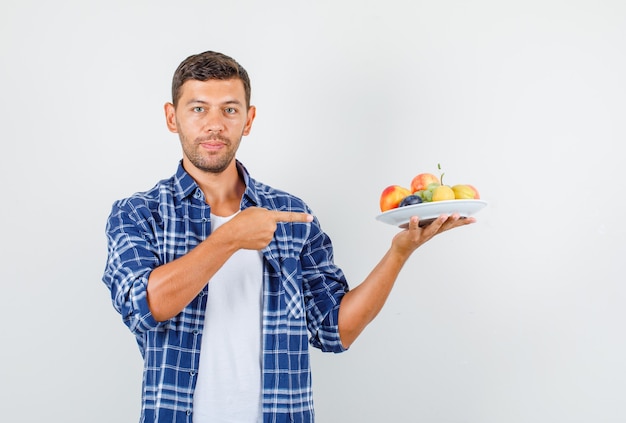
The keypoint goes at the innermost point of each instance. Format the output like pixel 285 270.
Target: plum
pixel 410 200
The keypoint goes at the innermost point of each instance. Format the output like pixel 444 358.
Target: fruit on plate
pixel 425 188
pixel 421 181
pixel 465 192
pixel 442 193
pixel 391 197
pixel 410 200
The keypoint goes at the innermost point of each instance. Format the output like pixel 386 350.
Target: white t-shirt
pixel 228 389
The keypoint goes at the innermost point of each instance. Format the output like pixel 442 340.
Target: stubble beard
pixel 210 162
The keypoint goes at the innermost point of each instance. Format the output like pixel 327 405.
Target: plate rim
pixel 381 216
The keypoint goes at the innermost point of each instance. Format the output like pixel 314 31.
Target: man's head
pixel 210 111
pixel 206 66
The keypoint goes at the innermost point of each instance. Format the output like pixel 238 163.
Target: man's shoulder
pixel 164 189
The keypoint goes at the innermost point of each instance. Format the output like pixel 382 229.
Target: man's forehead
pixel 231 83
pixel 226 90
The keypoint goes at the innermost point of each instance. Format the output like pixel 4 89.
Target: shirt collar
pixel 251 194
pixel 187 186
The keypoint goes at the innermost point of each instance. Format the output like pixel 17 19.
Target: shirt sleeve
pixel 132 255
pixel 324 285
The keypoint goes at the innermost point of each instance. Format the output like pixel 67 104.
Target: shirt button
pixel 192 373
pixel 195 331
pixel 189 412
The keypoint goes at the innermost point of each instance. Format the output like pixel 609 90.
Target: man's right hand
pixel 254 227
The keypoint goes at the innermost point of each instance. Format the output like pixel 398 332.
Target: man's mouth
pixel 213 144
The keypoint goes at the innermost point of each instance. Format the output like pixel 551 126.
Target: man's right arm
pixel 173 285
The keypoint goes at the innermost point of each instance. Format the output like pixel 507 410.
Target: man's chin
pixel 213 167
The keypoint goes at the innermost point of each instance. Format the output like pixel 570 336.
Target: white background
pixel 518 318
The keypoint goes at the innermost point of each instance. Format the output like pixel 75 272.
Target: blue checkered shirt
pixel 301 295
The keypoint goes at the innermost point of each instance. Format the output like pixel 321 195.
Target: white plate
pixel 427 212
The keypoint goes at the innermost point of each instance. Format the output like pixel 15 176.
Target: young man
pixel 224 281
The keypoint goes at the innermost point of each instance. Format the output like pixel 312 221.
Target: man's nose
pixel 214 122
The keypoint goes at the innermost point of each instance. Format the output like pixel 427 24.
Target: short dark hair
pixel 206 66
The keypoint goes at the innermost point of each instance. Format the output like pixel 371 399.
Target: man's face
pixel 211 117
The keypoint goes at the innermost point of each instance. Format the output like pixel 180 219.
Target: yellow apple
pixel 465 191
pixel 443 192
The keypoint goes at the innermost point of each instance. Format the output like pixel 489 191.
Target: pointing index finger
pixel 285 216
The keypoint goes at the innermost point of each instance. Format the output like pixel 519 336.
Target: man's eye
pixel 230 110
pixel 198 109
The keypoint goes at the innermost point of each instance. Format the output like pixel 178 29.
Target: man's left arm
pixel 362 304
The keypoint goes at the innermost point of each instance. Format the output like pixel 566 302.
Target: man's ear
pixel 170 117
pixel 251 116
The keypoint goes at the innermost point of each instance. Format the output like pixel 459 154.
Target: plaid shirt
pixel 301 295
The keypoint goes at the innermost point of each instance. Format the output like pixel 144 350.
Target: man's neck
pixel 222 191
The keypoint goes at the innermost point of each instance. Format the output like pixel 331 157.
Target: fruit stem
pixel 441 174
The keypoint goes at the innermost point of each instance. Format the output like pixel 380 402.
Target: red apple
pixel 476 194
pixel 391 196
pixel 421 181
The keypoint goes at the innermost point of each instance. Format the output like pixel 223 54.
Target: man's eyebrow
pixel 199 101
